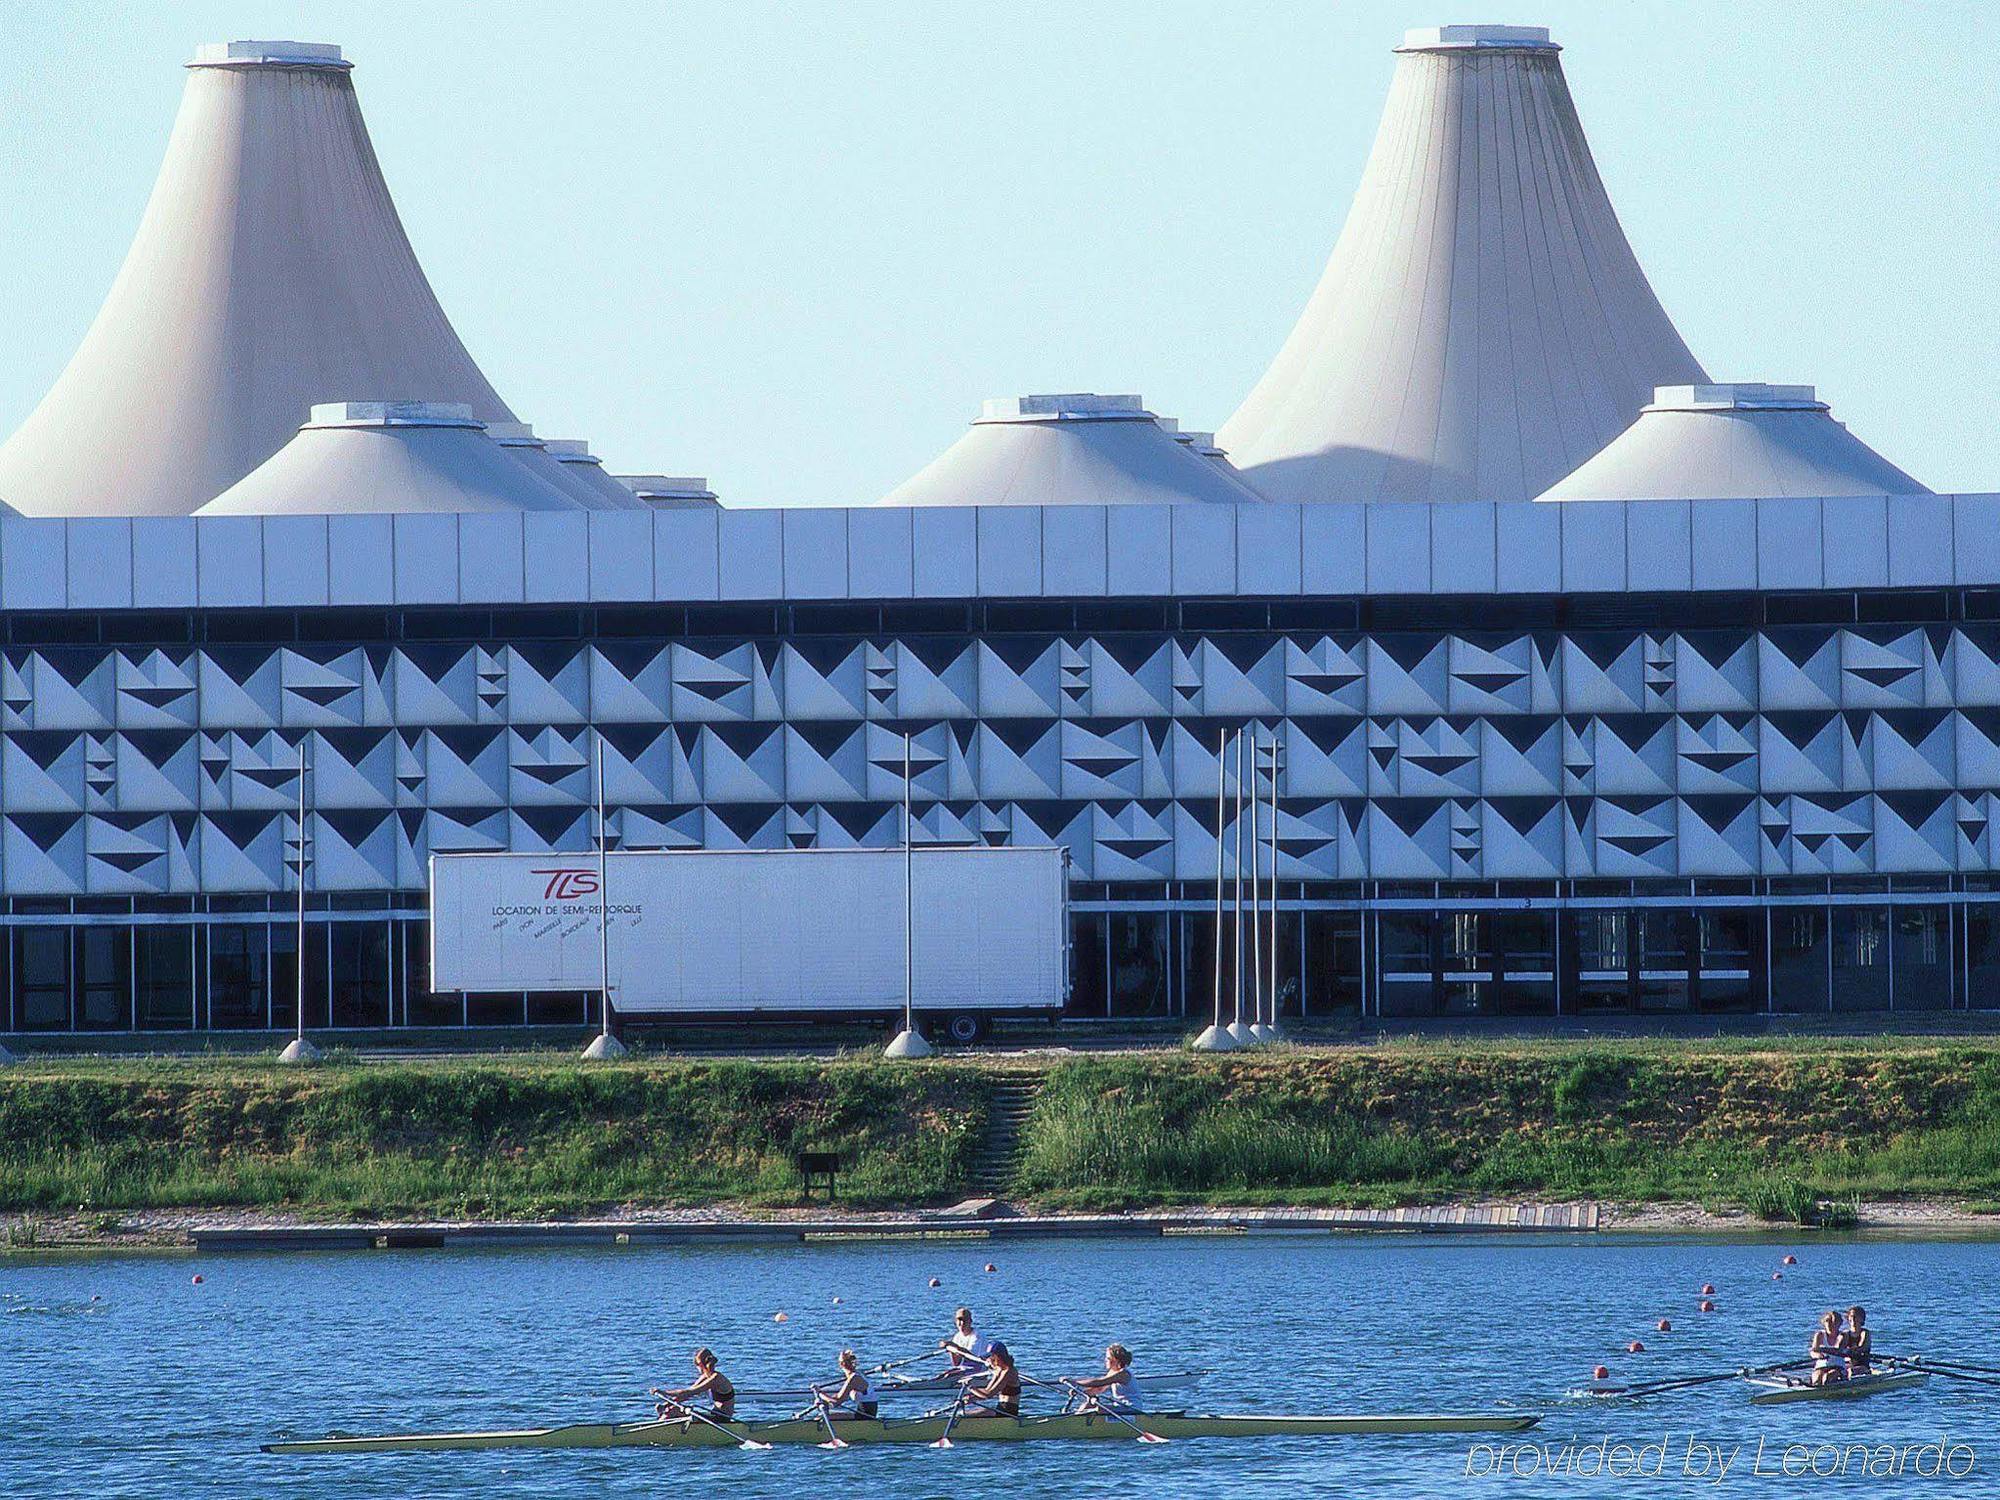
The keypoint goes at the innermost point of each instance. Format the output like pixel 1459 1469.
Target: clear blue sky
pixel 793 246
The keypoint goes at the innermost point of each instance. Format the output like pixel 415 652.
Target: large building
pixel 1598 685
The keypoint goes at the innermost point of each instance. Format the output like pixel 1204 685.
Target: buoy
pixel 197 1280
pixel 1600 1373
pixel 1664 1326
pixel 936 1282
pixel 779 1318
pixel 1789 1260
pixel 991 1267
pixel 1707 1306
pixel 836 1302
pixel 1777 1275
pixel 1635 1347
pixel 1708 1289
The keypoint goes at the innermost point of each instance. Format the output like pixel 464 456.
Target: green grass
pixel 1793 1134
pixel 1792 1131
pixel 529 1138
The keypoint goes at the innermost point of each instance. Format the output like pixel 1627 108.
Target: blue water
pixel 122 1377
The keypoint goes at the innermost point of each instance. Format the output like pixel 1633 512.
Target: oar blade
pixel 1150 1437
pixel 942 1442
pixel 834 1445
pixel 751 1445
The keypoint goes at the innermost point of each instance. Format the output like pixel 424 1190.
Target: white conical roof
pixel 588 474
pixel 270 272
pixel 671 491
pixel 1718 442
pixel 405 457
pixel 1482 326
pixel 519 441
pixel 1070 450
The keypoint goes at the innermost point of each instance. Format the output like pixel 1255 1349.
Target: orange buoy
pixel 1600 1373
pixel 1708 1289
pixel 779 1318
pixel 1707 1306
pixel 1790 1260
pixel 1635 1347
pixel 1664 1326
pixel 936 1282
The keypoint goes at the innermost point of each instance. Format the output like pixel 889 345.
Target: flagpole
pixel 604 1045
pixel 1216 1037
pixel 299 1050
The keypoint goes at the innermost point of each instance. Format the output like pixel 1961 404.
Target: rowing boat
pixel 949 1381
pixel 1776 1392
pixel 681 1433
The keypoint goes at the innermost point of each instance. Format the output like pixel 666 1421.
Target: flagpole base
pixel 1241 1034
pixel 7 1057
pixel 1214 1039
pixel 299 1050
pixel 1266 1033
pixel 909 1042
pixel 605 1048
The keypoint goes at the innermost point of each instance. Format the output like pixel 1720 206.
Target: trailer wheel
pixel 964 1027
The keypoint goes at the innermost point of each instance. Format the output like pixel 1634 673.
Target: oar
pixel 1654 1388
pixel 1078 1393
pixel 1950 1370
pixel 1938 1364
pixel 957 1407
pixel 897 1364
pixel 833 1439
pixel 748 1443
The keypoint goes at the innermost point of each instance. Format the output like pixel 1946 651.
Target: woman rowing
pixel 1829 1363
pixel 998 1392
pixel 1858 1344
pixel 1115 1389
pixel 965 1344
pixel 855 1392
pixel 710 1383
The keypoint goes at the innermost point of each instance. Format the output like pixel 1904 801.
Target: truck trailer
pixel 773 934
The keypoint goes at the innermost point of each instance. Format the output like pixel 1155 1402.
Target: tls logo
pixel 568 885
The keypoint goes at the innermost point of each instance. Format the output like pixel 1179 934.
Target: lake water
pixel 122 1377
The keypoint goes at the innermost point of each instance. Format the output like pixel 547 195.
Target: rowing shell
pixel 1776 1392
pixel 947 1381
pixel 681 1433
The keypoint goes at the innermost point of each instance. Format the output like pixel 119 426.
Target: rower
pixel 967 1346
pixel 709 1382
pixel 1858 1344
pixel 1829 1365
pixel 854 1389
pixel 998 1392
pixel 1115 1388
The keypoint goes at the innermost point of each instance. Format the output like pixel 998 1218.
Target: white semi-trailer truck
pixel 805 933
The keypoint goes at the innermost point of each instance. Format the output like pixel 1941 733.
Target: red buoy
pixel 991 1267
pixel 1635 1347
pixel 1790 1260
pixel 780 1318
pixel 1777 1275
pixel 836 1302
pixel 936 1282
pixel 1600 1373
pixel 1708 1289
pixel 197 1279
pixel 1664 1326
pixel 1707 1306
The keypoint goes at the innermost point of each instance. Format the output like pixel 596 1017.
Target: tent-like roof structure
pixel 573 478
pixel 587 473
pixel 671 491
pixel 1700 442
pixel 1080 449
pixel 376 457
pixel 1482 326
pixel 270 272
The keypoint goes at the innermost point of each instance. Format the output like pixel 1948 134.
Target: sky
pixel 793 247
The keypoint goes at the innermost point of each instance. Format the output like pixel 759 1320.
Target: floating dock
pixel 1533 1218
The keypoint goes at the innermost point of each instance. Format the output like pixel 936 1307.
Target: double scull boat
pixel 1778 1390
pixel 679 1432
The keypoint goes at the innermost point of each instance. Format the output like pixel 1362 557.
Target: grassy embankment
pixel 1798 1131
pixel 530 1138
pixel 1778 1128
